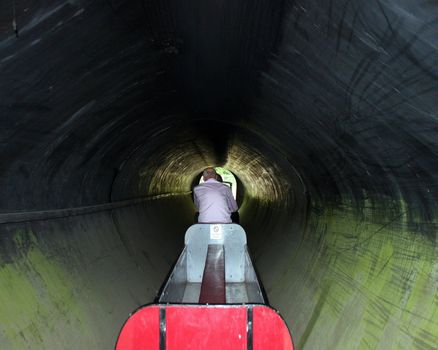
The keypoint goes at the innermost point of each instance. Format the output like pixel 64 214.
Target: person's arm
pixel 195 199
pixel 232 204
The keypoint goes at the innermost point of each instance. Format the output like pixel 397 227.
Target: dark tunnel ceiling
pixel 343 91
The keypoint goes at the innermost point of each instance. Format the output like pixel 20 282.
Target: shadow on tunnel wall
pixel 71 281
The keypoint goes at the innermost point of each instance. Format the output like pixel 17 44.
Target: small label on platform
pixel 216 232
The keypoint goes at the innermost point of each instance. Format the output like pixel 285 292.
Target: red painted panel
pixel 270 330
pixel 206 327
pixel 209 327
pixel 141 331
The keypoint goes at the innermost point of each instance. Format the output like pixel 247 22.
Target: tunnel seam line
pixel 17 217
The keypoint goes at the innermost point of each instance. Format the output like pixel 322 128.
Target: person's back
pixel 214 200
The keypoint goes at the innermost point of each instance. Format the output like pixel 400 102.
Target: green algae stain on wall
pixel 36 300
pixel 379 286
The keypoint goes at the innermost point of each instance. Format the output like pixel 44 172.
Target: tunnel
pixel 325 111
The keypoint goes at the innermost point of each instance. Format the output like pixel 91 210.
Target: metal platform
pixel 214 263
pixel 235 293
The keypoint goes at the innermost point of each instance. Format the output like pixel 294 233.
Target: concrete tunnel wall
pixel 325 111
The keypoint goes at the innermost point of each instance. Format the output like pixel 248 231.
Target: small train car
pixel 211 300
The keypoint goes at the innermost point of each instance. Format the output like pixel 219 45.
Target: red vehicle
pixel 212 300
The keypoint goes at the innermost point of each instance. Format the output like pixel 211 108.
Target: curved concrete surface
pixel 326 111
